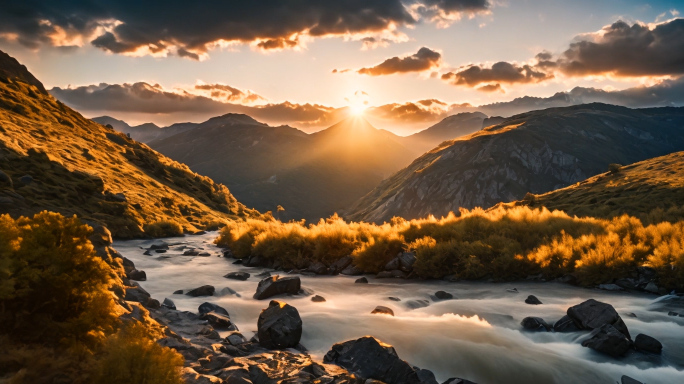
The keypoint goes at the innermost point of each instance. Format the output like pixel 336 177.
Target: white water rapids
pixel 476 336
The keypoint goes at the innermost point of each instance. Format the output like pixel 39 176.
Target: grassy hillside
pixel 52 158
pixel 652 190
pixel 535 152
pixel 310 175
pixel 449 128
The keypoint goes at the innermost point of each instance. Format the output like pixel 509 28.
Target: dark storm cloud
pixel 501 72
pixel 626 50
pixel 446 11
pixel 422 60
pixel 127 25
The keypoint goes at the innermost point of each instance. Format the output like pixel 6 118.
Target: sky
pixel 405 64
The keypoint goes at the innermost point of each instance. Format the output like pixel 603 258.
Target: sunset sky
pixel 301 63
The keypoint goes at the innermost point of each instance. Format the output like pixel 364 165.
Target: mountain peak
pixel 10 68
pixel 235 118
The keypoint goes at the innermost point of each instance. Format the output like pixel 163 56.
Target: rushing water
pixel 476 336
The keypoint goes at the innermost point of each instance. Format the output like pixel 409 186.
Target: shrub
pixel 163 229
pixel 131 356
pixel 614 168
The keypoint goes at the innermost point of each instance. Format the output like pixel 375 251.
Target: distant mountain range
pixel 535 152
pixel 52 158
pixel 311 175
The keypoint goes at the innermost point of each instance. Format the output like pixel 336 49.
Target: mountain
pixel 144 132
pixel 310 175
pixel 52 158
pixel 533 152
pixel 448 129
pixel 652 190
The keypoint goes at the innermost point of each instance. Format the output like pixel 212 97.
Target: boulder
pixel 279 326
pixel 235 338
pixel 168 303
pixel 369 358
pixel 441 295
pixel 608 340
pixel 191 252
pixel 382 310
pixel 456 380
pixel 190 376
pixel 137 275
pixel 161 245
pixel 318 268
pixel 394 298
pixel 205 290
pixel 532 299
pixel 227 291
pixel 341 264
pixel 565 324
pixel 101 236
pixel 237 276
pixel 651 287
pixel 406 261
pixel 361 280
pixel 648 344
pixel 610 287
pixel 178 292
pixel 512 290
pixel 160 250
pixel 207 307
pixel 425 376
pixel 351 270
pixel 393 264
pixel 276 285
pixel 629 380
pixel 136 293
pixel 415 304
pixel 318 299
pixel 217 320
pixel 535 324
pixel 128 265
pixel 204 254
pixel 593 314
pixel 147 253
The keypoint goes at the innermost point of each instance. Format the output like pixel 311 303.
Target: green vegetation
pixel 58 316
pixel 83 168
pixel 503 243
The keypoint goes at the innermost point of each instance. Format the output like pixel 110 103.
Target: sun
pixel 357 109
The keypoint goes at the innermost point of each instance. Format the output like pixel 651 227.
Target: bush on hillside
pixel 163 229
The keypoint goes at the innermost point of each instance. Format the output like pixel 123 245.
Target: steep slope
pixel 311 176
pixel 144 132
pixel 652 190
pixel 52 158
pixel 533 152
pixel 448 129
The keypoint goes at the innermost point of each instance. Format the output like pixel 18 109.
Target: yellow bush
pixel 131 356
pixel 163 229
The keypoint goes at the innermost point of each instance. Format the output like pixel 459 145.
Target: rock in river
pixel 535 324
pixel 361 280
pixel 647 344
pixel 382 310
pixel 279 326
pixel 532 299
pixel 211 307
pixel 593 314
pixel 276 285
pixel 205 290
pixel 608 340
pixel 237 276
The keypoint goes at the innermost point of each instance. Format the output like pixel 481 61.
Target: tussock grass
pixel 502 243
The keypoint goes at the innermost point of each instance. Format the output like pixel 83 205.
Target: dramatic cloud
pixel 174 27
pixel 501 72
pixel 411 112
pixel 423 60
pixel 444 12
pixel 227 93
pixel 624 50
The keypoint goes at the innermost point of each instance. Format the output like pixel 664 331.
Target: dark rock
pixel 161 245
pixel 371 359
pixel 535 324
pixel 425 376
pixel 152 303
pixel 237 262
pixel 214 362
pixel 610 287
pixel 190 376
pixel 237 276
pixel 341 264
pixel 393 264
pixel 207 307
pixel 168 303
pixel 276 285
pixel 626 283
pixel 647 344
pixel 651 287
pixel 383 310
pixel 235 338
pixel 137 275
pixel 26 179
pixel 318 268
pixel 398 274
pixel 568 279
pixel 191 252
pixel 147 253
pixel 415 304
pixel 318 299
pixel 136 293
pixel 629 380
pixel 361 280
pixel 204 254
pixel 160 250
pixel 254 261
pixel 565 324
pixel 199 233
pixel 384 275
pixel 351 270
pixel 441 295
pixel 630 314
pixel 455 380
pixel 205 290
pixel 532 299
pixel 593 314
pixel 226 291
pixel 127 264
pixel 394 298
pixel 279 326
pixel 406 261
pixel 217 320
pixel 264 274
pixel 512 290
pixel 673 313
pixel 608 340
pixel 178 292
